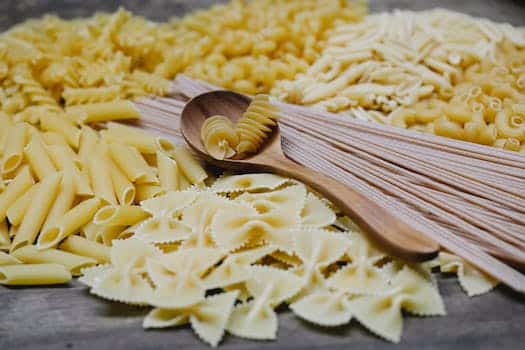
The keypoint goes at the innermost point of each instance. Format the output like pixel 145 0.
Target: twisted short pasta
pixel 75 96
pixel 31 88
pixel 219 137
pixel 255 124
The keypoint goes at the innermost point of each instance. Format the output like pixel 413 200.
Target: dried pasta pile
pixel 244 45
pixel 143 223
pixel 435 71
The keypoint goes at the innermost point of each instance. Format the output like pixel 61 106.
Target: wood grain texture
pixel 69 318
pixel 394 235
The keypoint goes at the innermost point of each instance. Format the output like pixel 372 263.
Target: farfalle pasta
pixel 471 280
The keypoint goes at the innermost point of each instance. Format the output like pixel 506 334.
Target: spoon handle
pixel 395 235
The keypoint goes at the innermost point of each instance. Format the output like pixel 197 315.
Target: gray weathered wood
pixel 69 318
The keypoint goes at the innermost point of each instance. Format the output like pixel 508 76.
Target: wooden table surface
pixel 69 318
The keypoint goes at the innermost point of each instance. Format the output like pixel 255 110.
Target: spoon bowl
pixel 394 235
pixel 231 105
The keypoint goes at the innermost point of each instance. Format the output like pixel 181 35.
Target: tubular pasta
pixel 131 162
pixel 191 168
pixel 14 149
pixel 104 111
pixel 74 263
pixel 37 211
pixel 34 274
pixel 83 247
pixel 119 215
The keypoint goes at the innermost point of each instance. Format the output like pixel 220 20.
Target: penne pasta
pixel 14 147
pixel 73 262
pixel 63 202
pixel 16 188
pixel 124 189
pixel 124 215
pixel 88 142
pixel 55 139
pixel 5 240
pixel 102 234
pixel 190 167
pixel 132 164
pixel 84 247
pixel 131 136
pixel 64 162
pixel 5 125
pixel 146 191
pixel 6 259
pixel 17 211
pixel 34 274
pixel 99 167
pixel 168 172
pixel 104 111
pixel 62 126
pixel 69 223
pixel 37 211
pixel 38 158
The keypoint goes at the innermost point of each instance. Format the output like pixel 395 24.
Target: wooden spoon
pixel 396 236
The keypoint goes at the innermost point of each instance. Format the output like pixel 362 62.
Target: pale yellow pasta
pixel 5 240
pixel 102 234
pixel 447 128
pixel 16 188
pixel 14 147
pixel 38 158
pixel 5 124
pixel 53 139
pixel 124 189
pixel 63 202
pixel 88 142
pixel 190 167
pixel 73 262
pixel 512 144
pixel 119 215
pixel 219 137
pixel 69 223
pixel 76 96
pixel 147 191
pixel 37 211
pixel 132 164
pixel 62 126
pixel 169 173
pixel 506 130
pixel 84 247
pixel 34 274
pixel 458 113
pixel 131 136
pixel 6 259
pixel 17 211
pixel 256 124
pixel 104 111
pixel 99 168
pixel 64 162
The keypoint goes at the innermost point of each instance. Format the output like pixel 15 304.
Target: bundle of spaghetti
pixel 467 197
